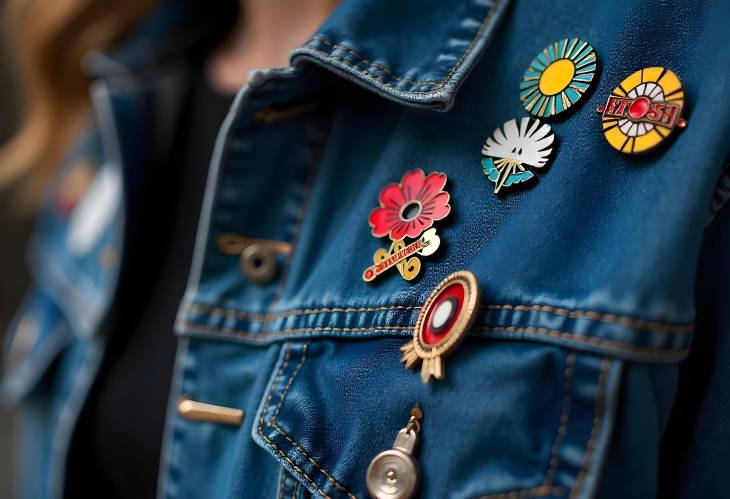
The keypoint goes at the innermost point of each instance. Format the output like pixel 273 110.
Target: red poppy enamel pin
pixel 406 215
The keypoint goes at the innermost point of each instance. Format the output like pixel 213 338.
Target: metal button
pixel 258 263
pixel 258 256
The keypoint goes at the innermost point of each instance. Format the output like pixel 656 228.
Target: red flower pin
pixel 412 206
pixel 408 210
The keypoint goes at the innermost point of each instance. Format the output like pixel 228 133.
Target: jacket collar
pixel 415 52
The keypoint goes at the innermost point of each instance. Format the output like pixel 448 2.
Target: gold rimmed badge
pixel 445 318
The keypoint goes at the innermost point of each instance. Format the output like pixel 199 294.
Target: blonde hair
pixel 49 38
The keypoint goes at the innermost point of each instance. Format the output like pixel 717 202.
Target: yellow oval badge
pixel 643 110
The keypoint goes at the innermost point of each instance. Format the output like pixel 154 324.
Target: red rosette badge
pixel 444 319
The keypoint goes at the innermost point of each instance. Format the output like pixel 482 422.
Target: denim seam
pixel 564 418
pixel 621 347
pixel 272 424
pixel 485 22
pixel 597 421
pixel 341 329
pixel 379 79
pixel 586 339
pixel 309 458
pixel 621 320
pixel 541 491
pixel 285 364
pixel 277 411
pixel 282 483
pixel 254 316
pixel 279 333
pixel 302 360
pixel 379 66
pixel 292 463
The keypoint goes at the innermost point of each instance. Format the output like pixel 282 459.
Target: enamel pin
pixel 512 148
pixel 406 214
pixel 643 110
pixel 558 77
pixel 444 319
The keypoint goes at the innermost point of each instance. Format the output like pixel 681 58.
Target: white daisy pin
pixel 512 148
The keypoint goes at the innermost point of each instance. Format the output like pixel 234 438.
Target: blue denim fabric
pixel 566 383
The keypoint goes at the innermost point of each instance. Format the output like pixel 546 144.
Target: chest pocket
pixel 511 418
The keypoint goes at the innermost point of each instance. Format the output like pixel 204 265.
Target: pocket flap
pixel 603 333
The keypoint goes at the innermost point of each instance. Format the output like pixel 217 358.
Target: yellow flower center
pixel 557 76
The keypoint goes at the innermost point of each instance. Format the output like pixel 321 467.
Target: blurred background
pixel 14 231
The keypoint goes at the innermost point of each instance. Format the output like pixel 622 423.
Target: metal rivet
pixel 209 413
pixel 258 263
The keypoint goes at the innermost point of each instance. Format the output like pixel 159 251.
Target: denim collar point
pixel 423 65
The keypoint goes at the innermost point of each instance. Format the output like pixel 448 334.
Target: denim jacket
pixel 597 362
